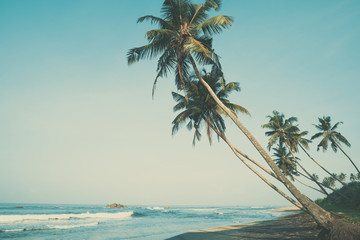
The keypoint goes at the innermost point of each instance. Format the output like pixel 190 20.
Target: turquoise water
pixel 49 221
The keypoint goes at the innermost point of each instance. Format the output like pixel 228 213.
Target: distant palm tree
pixel 285 161
pixel 354 177
pixel 280 129
pixel 200 110
pixel 284 132
pixel 329 182
pixel 287 164
pixel 328 134
pixel 297 140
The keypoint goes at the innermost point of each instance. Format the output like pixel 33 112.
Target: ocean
pixel 59 221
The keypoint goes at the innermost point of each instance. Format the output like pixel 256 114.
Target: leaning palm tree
pixel 183 39
pixel 199 109
pixel 284 132
pixel 297 140
pixel 328 134
pixel 287 164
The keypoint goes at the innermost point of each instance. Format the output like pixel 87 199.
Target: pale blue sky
pixel 78 124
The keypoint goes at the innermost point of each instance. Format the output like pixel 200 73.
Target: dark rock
pixel 115 205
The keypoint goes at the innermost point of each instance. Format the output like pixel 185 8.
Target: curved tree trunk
pixel 321 216
pixel 348 158
pixel 308 186
pixel 257 164
pixel 308 178
pixel 236 152
pixel 329 187
pixel 321 166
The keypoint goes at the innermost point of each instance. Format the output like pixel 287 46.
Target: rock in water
pixel 115 205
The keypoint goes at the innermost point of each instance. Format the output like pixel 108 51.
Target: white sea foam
pixel 73 226
pixel 204 209
pixel 13 230
pixel 14 218
pixel 52 227
pixel 155 208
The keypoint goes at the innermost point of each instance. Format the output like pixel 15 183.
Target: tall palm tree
pixel 199 109
pixel 184 33
pixel 328 134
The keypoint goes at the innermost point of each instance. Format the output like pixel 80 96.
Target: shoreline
pixel 292 226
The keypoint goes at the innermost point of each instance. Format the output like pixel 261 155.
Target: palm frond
pixel 194 45
pixel 336 126
pixel 342 139
pixel 160 34
pixel 154 20
pixel 147 51
pixel 317 135
pixel 215 25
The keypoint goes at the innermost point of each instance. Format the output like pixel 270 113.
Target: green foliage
pixel 282 130
pixel 183 32
pixel 328 134
pixel 354 177
pixel 350 202
pixel 200 108
pixel 329 182
pixel 285 161
pixel 349 206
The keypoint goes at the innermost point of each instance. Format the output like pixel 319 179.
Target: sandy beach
pixel 294 226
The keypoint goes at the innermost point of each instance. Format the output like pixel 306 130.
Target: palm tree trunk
pixel 348 157
pixel 257 164
pixel 309 186
pixel 322 166
pixel 332 189
pixel 321 216
pixel 308 178
pixel 236 152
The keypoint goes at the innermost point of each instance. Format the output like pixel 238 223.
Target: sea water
pixel 49 221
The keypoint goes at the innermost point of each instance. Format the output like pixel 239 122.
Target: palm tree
pixel 329 182
pixel 354 177
pixel 288 165
pixel 297 140
pixel 329 134
pixel 285 161
pixel 203 106
pixel 283 131
pixel 184 33
pixel 199 109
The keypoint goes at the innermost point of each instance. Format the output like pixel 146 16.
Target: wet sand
pixel 295 226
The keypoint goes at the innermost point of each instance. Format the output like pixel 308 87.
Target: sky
pixel 78 125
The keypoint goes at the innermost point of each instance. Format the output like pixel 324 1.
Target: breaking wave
pixel 52 227
pixel 14 218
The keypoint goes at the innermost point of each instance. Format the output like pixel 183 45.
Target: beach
pixel 146 222
pixel 294 226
